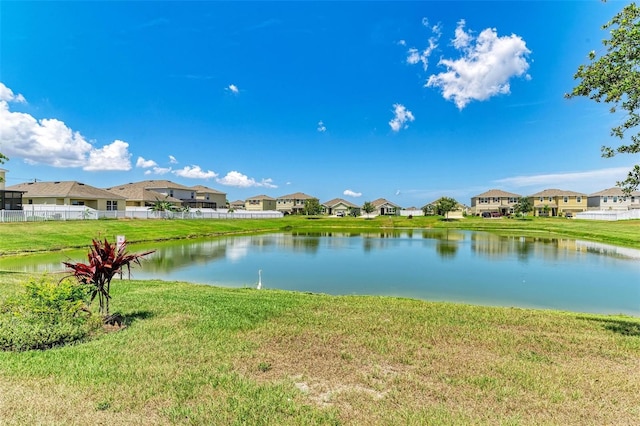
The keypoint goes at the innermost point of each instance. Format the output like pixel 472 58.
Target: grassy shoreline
pixel 25 238
pixel 196 354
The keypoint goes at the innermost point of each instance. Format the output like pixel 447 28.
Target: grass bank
pixel 17 238
pixel 203 355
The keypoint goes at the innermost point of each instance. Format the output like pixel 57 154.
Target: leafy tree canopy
pixel 444 205
pixel 524 205
pixel 614 78
pixel 2 158
pixel 367 207
pixel 312 207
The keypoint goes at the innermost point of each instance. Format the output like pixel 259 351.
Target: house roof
pixel 613 192
pixel 381 201
pixel 237 202
pixel 296 196
pixel 557 193
pixel 63 189
pixel 138 193
pixel 156 184
pixel 337 201
pixel 202 188
pixel 497 193
pixel 261 197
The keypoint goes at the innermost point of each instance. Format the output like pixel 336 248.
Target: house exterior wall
pixel 260 205
pixel 96 204
pixel 219 199
pixel 612 202
pixel 559 205
pixel 502 205
pixel 290 205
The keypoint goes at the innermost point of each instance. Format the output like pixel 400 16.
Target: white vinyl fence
pixel 609 214
pixel 33 214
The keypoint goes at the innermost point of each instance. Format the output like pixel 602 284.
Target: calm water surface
pixel 443 265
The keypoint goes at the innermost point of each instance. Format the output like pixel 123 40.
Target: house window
pixel 77 203
pixel 615 199
pixel 171 193
pixel 112 205
pixel 192 195
pixel 565 199
pixel 579 199
pixel 605 199
pixel 541 199
pixel 550 198
pixel 30 201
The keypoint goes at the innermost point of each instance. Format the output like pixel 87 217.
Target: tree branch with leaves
pixel 614 78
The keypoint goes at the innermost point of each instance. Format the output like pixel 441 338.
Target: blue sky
pixel 408 101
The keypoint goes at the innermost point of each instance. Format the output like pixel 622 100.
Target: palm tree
pixel 161 207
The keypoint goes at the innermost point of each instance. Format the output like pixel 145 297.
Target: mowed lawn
pixel 195 354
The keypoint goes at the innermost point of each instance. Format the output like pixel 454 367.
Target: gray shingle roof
pixel 337 201
pixel 64 189
pixel 497 193
pixel 557 193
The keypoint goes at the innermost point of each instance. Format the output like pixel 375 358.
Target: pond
pixel 440 265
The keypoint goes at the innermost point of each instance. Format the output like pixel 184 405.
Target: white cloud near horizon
pixel 483 70
pixel 194 172
pixel 350 193
pixel 158 171
pixel 401 115
pixel 51 142
pixel 239 180
pixel 114 156
pixel 172 160
pixel 587 181
pixel 233 88
pixel 145 164
pixel 321 127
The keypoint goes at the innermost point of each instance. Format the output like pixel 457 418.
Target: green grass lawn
pixel 195 354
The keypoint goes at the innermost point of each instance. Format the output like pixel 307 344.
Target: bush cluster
pixel 47 314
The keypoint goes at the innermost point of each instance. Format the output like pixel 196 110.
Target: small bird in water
pixel 259 286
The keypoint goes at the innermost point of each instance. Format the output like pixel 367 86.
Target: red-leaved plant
pixel 105 261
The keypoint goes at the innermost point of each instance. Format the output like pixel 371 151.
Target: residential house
pixel 558 202
pixel 180 195
pixel 494 201
pixel 207 198
pixel 237 205
pixel 260 203
pixel 9 200
pixel 385 208
pixel 340 207
pixel 292 203
pixel 69 193
pixel 613 199
pixel 137 195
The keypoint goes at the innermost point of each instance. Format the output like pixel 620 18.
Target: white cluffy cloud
pixel 7 95
pixel 145 164
pixel 233 88
pixel 51 142
pixel 172 160
pixel 158 171
pixel 238 180
pixel 321 127
pixel 195 172
pixel 350 193
pixel 401 116
pixel 487 64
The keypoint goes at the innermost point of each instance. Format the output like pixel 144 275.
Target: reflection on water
pixel 451 265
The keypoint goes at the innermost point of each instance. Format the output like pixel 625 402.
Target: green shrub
pixel 46 315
